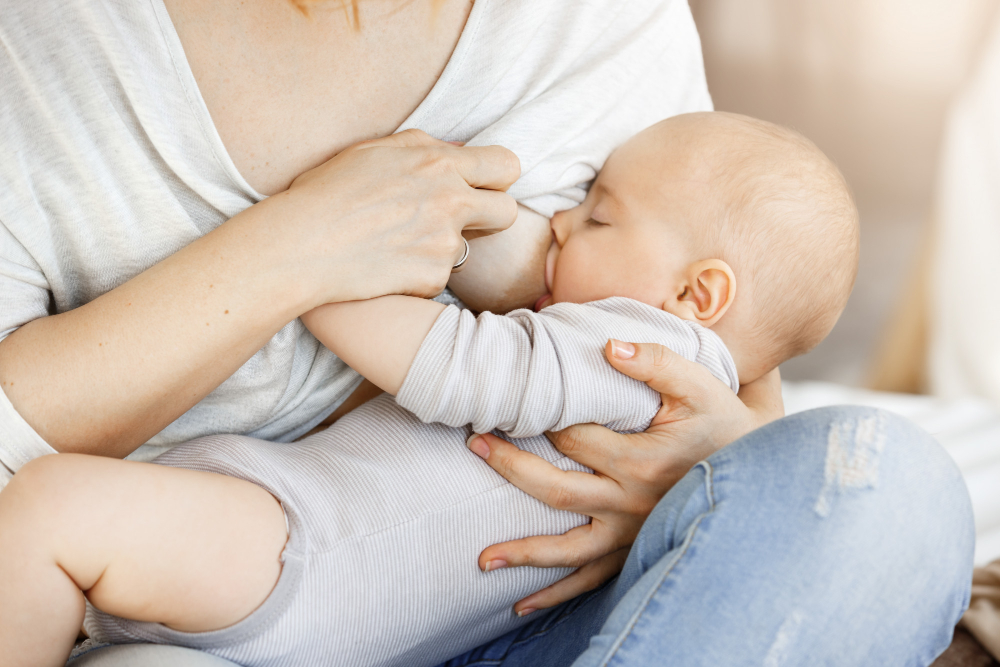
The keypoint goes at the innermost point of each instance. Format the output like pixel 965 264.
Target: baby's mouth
pixel 550 270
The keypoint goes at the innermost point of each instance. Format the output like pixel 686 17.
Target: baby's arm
pixel 378 338
pixel 523 373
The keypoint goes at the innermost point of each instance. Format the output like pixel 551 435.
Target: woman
pixel 150 292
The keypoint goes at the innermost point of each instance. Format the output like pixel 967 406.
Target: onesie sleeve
pixel 526 373
pixel 24 296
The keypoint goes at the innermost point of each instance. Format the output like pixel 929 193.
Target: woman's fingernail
pixel 478 445
pixel 622 350
pixel 497 564
pixel 525 612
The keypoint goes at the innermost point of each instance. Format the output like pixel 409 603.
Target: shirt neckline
pixel 196 102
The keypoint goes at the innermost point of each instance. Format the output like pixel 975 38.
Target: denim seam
pixel 687 543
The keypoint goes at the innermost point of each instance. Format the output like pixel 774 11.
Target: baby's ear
pixel 706 293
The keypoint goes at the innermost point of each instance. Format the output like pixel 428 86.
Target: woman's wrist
pixel 281 264
pixel 277 265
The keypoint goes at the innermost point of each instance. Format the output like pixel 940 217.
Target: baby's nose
pixel 561 225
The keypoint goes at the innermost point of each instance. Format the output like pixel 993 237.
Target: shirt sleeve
pixel 526 373
pixel 633 64
pixel 24 296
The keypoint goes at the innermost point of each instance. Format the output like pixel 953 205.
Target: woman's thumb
pixel 659 367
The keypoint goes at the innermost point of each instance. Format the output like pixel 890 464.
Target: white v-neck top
pixel 110 161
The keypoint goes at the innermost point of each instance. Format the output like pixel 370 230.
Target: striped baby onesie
pixel 388 510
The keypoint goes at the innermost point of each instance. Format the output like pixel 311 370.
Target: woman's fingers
pixel 587 578
pixel 490 167
pixel 564 490
pixel 592 445
pixel 488 170
pixel 488 211
pixel 574 548
pixel 659 367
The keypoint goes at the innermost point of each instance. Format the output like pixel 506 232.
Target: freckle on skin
pixel 227 312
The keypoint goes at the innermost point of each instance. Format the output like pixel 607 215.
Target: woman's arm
pixel 633 472
pixel 381 217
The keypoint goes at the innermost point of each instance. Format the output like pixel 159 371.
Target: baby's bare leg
pixel 192 550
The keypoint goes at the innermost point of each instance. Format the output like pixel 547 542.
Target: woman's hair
pixel 350 8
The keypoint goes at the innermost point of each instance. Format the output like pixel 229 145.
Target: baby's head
pixel 732 222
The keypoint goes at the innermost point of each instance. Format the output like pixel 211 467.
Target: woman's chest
pixel 287 91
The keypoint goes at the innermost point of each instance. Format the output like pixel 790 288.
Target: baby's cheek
pixel 577 284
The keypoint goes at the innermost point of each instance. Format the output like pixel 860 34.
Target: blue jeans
pixel 839 536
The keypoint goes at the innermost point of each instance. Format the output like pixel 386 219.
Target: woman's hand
pixel 386 216
pixel 631 472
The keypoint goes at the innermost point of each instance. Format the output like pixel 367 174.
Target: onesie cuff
pixel 19 443
pixel 422 392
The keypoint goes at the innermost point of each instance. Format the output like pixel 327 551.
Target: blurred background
pixel 872 83
pixel 904 95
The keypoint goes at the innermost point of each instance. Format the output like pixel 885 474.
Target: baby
pixel 730 240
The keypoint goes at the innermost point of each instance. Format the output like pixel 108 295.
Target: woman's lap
pixel 837 536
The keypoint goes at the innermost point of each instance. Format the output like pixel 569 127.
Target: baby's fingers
pixel 587 578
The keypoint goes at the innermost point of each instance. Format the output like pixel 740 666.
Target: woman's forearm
pixel 105 377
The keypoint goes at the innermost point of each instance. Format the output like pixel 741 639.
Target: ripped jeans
pixel 838 536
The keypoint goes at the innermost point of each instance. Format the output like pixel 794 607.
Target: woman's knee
pixel 832 520
pixel 866 485
pixel 864 471
pixel 839 454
